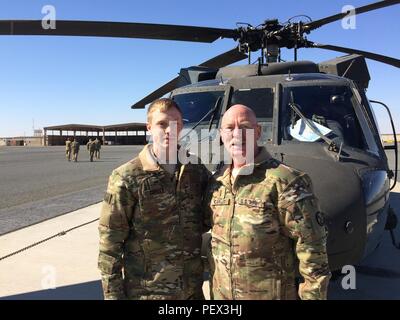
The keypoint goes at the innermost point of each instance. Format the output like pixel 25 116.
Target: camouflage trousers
pixel 68 154
pixel 75 156
pixel 196 296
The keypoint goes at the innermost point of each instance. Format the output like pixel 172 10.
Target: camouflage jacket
pixel 91 146
pixel 97 145
pixel 68 145
pixel 151 231
pixel 75 146
pixel 265 228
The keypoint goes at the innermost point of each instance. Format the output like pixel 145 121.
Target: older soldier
pixel 75 149
pixel 151 219
pixel 68 149
pixel 264 215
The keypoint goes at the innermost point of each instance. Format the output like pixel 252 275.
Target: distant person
pixel 91 147
pixel 97 144
pixel 68 148
pixel 75 149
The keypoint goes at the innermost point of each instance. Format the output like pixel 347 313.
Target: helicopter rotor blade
pixel 116 29
pixel 370 55
pixel 373 6
pixel 164 89
pixel 219 61
pixel 224 59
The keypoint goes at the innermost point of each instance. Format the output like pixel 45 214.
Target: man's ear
pixel 148 126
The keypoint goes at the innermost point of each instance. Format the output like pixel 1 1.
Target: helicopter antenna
pixel 297 16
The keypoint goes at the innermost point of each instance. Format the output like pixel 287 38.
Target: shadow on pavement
pixel 82 291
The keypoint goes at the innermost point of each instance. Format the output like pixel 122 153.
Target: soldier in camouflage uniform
pixel 68 149
pixel 266 225
pixel 91 147
pixel 97 149
pixel 151 220
pixel 75 149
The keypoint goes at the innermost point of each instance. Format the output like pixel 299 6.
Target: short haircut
pixel 162 105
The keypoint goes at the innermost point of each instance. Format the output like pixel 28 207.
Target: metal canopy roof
pixel 133 126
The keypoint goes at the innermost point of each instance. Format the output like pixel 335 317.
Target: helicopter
pixel 315 117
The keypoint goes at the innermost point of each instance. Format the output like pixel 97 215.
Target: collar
pixel 148 161
pixel 224 174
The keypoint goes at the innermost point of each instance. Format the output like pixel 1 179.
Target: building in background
pixel 29 141
pixel 117 134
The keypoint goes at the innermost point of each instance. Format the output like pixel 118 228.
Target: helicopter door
pixel 391 147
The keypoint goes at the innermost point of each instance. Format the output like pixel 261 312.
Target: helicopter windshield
pixel 329 109
pixel 261 100
pixel 196 105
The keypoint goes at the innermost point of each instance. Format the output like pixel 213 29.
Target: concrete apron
pixel 66 267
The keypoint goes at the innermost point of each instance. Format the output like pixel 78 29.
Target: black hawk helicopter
pixel 342 150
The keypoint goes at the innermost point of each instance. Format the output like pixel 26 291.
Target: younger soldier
pixel 68 149
pixel 151 219
pixel 91 147
pixel 264 217
pixel 75 149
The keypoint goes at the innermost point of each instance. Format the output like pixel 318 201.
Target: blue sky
pixel 60 80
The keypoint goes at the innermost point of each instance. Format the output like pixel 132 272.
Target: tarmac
pixel 65 267
pixel 42 184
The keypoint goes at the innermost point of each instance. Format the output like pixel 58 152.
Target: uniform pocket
pixel 265 289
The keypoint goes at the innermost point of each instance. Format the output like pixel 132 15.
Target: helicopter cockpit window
pixel 201 112
pixel 197 108
pixel 261 100
pixel 329 109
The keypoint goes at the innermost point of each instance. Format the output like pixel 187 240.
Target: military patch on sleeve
pixel 319 216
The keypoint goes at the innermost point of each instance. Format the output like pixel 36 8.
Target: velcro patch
pixel 252 203
pixel 220 201
pixel 155 189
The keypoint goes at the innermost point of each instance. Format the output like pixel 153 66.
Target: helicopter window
pixel 330 109
pixel 261 100
pixel 195 106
